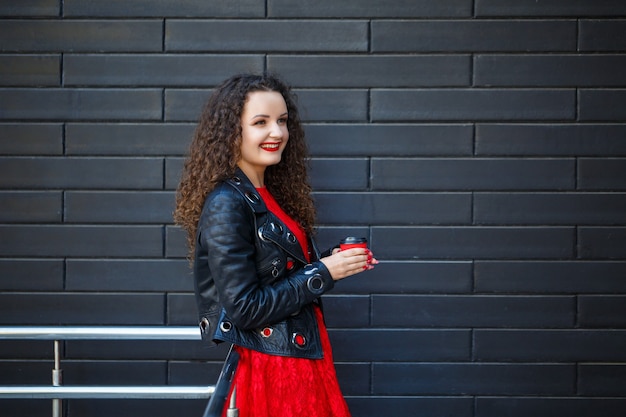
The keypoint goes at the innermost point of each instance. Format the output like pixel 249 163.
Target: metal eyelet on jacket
pixel 237 180
pixel 226 326
pixel 252 197
pixel 298 340
pixel 276 228
pixel 291 238
pixel 204 325
pixel 315 284
pixel 267 332
pixel 260 233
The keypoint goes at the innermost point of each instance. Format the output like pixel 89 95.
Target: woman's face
pixel 264 133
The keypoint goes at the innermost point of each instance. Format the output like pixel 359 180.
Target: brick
pixel 403 174
pixel 334 139
pixel 30 70
pixel 193 373
pixel 602 105
pixel 96 173
pixel 81 104
pixel 550 70
pixel 81 309
pixel 155 70
pixel 603 311
pixel 472 311
pixel 31 275
pixel 473 379
pixel 137 207
pixel 410 278
pixel 354 378
pixel 92 241
pixel 559 8
pixel 375 405
pixel 128 139
pixel 601 173
pixel 550 277
pixel 551 139
pixel 30 206
pixel 339 174
pixel 194 350
pixel 333 105
pixel 184 105
pixel 549 407
pixel 473 35
pixel 173 172
pixel 25 372
pixel 550 208
pixel 549 345
pixel 181 308
pixel 148 275
pixel 347 311
pixel 602 380
pixel 372 70
pixel 25 349
pixel 473 242
pixel 31 139
pixel 163 8
pixel 266 35
pixel 175 242
pixel 601 35
pixel 29 8
pixel 391 208
pixel 114 372
pixel 370 8
pixel 95 36
pixel 471 104
pixel 601 242
pixel 400 345
pixel 133 407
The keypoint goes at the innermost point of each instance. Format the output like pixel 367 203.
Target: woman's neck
pixel 256 178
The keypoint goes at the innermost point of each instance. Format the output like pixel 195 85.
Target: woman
pixel 245 202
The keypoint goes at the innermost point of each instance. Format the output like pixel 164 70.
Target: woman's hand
pixel 344 263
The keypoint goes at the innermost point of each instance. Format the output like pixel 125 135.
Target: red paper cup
pixel 353 242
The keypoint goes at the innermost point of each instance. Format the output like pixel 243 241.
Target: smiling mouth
pixel 270 146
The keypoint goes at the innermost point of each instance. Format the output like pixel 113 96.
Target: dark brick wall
pixel 479 144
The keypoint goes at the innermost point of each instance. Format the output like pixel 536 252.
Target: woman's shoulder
pixel 235 194
pixel 223 193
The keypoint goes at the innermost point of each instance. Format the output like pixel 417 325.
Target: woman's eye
pixel 282 121
pixel 259 122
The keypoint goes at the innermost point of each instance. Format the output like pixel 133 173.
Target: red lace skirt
pixel 271 386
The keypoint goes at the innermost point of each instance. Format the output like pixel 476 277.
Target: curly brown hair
pixel 216 149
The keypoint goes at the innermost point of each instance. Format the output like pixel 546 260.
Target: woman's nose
pixel 276 131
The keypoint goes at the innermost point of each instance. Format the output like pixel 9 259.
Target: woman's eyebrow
pixel 267 115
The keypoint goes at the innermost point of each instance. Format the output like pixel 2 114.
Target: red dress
pixel 279 386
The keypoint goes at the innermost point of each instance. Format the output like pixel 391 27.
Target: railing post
pixel 233 411
pixel 57 380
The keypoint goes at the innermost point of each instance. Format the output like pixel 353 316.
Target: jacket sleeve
pixel 227 232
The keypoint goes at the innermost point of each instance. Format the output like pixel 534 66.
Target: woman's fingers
pixel 349 262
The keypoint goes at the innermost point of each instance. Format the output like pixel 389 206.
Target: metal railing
pixel 57 392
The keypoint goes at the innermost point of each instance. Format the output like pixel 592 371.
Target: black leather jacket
pixel 245 292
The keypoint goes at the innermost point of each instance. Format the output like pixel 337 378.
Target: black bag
pixel 216 404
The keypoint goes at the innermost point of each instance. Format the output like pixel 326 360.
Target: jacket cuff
pixel 319 280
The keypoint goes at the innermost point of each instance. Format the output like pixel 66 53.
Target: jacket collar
pixel 244 186
pixel 272 229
